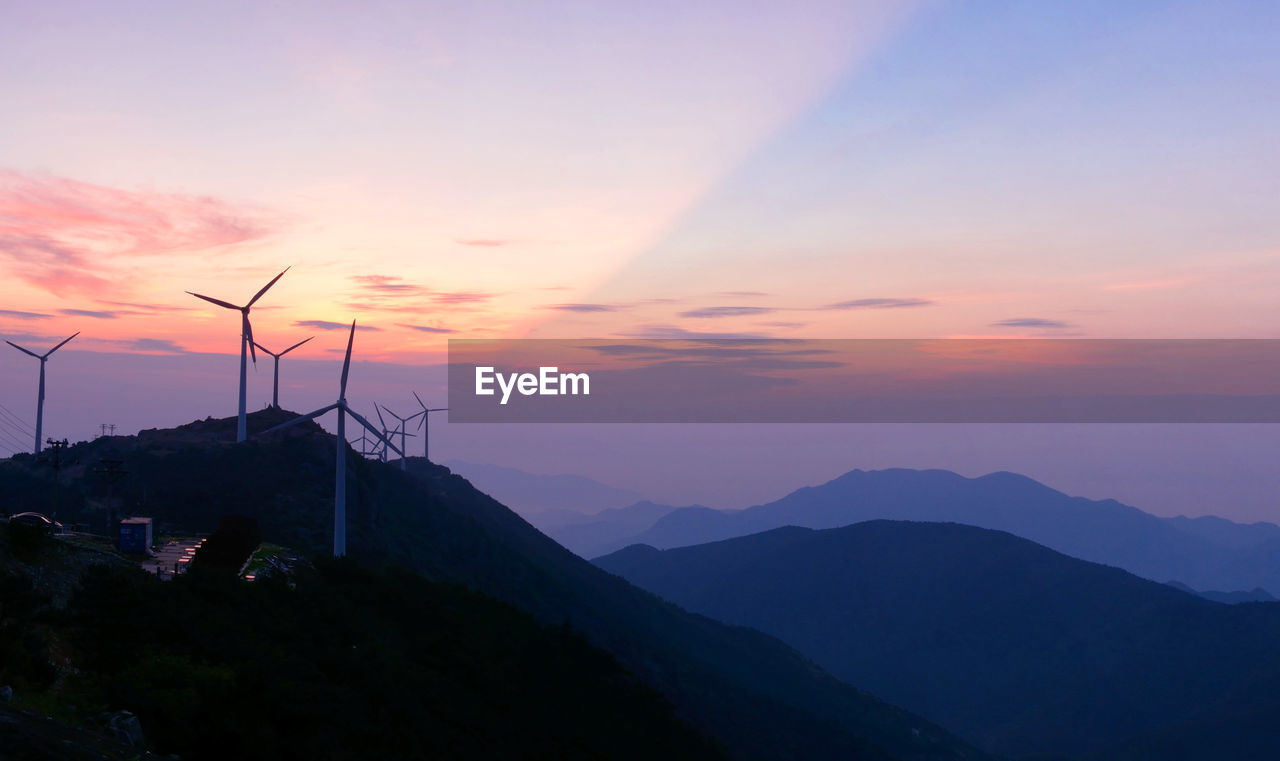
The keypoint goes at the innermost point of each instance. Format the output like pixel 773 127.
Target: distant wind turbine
pixel 246 343
pixel 424 425
pixel 275 378
pixel 40 396
pixel 404 422
pixel 364 443
pixel 382 453
pixel 340 479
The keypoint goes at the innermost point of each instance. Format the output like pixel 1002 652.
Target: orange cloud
pixel 66 236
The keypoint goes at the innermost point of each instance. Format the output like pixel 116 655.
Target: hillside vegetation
pixel 338 662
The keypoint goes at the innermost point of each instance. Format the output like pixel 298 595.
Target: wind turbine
pixel 340 479
pixel 364 444
pixel 386 431
pixel 246 342
pixel 40 396
pixel 426 429
pixel 275 378
pixel 382 453
pixel 404 421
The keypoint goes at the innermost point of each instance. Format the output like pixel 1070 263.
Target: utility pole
pixel 54 458
pixel 110 471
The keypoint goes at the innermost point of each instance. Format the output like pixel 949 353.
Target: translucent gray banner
pixel 864 381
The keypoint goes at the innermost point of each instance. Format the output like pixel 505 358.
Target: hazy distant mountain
pixel 1257 594
pixel 750 693
pixel 1227 533
pixel 591 535
pixel 1205 553
pixel 532 494
pixel 1019 648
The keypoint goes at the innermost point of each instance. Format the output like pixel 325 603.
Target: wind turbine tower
pixel 426 429
pixel 246 343
pixel 275 376
pixel 404 422
pixel 40 395
pixel 340 479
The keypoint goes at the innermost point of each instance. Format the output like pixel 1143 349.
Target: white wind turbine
pixel 404 422
pixel 424 425
pixel 40 396
pixel 275 377
pixel 340 479
pixel 246 343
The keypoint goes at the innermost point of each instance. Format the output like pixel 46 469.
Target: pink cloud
pixel 1152 285
pixel 61 235
pixel 391 293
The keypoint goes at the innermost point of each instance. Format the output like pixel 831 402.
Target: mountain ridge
pixel 1017 647
pixel 1204 553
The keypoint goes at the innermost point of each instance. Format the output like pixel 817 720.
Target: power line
pixel 13 418
pixel 7 433
pixel 13 446
pixel 13 415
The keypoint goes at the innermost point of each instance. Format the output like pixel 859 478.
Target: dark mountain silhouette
pixel 756 697
pixel 1204 553
pixel 1016 647
pixel 331 662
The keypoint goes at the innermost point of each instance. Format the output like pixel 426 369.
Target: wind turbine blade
pixel 24 351
pixel 248 335
pixel 420 404
pixel 260 346
pixel 59 346
pixel 291 348
pixel 369 427
pixel 212 300
pixel 301 419
pixel 346 362
pixel 258 295
pixel 382 420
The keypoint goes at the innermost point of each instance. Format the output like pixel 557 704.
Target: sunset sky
pixel 619 169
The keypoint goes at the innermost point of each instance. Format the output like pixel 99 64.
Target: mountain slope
pixel 333 662
pixel 1016 647
pixel 1203 553
pixel 751 693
